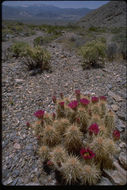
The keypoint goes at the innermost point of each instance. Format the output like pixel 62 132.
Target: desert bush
pixel 111 50
pixel 44 40
pixel 78 152
pixel 36 57
pixel 18 48
pixel 93 53
pixel 120 40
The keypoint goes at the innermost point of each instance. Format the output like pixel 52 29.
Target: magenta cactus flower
pixel 84 101
pixel 116 134
pixel 39 114
pixel 28 124
pixel 50 163
pixel 93 129
pixel 54 99
pixel 61 95
pixel 87 153
pixel 77 92
pixel 73 104
pixel 104 98
pixel 78 120
pixel 95 99
pixel 54 115
pixel 61 104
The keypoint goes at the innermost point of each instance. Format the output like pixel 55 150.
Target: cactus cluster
pixel 61 137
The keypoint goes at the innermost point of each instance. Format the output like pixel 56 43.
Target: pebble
pixel 115 96
pixel 114 107
pixel 104 181
pixel 123 160
pixel 7 182
pixel 17 146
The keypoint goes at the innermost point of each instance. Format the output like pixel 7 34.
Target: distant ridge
pixel 42 12
pixel 112 14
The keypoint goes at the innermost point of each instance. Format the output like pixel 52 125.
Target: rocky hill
pixel 43 12
pixel 112 14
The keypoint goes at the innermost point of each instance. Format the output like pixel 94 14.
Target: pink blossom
pixel 84 101
pixel 87 153
pixel 39 114
pixel 93 129
pixel 61 95
pixel 61 104
pixel 78 120
pixel 77 92
pixel 54 99
pixel 28 124
pixel 54 115
pixel 73 104
pixel 95 99
pixel 116 134
pixel 103 98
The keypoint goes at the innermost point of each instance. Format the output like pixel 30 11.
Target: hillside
pixel 113 14
pixel 42 12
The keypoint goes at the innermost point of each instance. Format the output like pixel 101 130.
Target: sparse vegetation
pixel 18 48
pixel 93 53
pixel 62 142
pixel 36 57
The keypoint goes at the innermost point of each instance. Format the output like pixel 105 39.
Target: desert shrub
pixel 120 40
pixel 93 53
pixel 36 57
pixel 81 139
pixel 111 50
pixel 38 41
pixel 97 29
pixel 18 48
pixel 123 50
pixel 44 40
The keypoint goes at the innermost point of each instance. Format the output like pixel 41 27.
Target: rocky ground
pixel 23 93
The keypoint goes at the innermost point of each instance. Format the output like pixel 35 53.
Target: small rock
pixel 114 96
pixel 104 181
pixel 14 182
pixel 123 159
pixel 29 147
pixel 114 107
pixel 109 86
pixel 17 146
pixel 122 116
pixel 19 80
pixel 15 173
pixel 120 126
pixel 122 145
pixel 33 184
pixel 7 182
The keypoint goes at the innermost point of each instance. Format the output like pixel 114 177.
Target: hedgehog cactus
pixel 58 155
pixel 71 170
pixel 83 127
pixel 109 121
pixel 73 139
pixel 44 152
pixel 61 125
pixel 90 174
pixel 50 136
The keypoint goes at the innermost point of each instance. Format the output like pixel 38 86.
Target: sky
pixel 61 4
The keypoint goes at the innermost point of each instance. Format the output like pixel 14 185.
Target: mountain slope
pixel 112 14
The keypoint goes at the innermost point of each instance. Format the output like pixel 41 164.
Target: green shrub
pixel 39 41
pixel 18 49
pixel 93 53
pixel 37 57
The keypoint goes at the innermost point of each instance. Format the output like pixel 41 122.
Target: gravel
pixel 23 94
